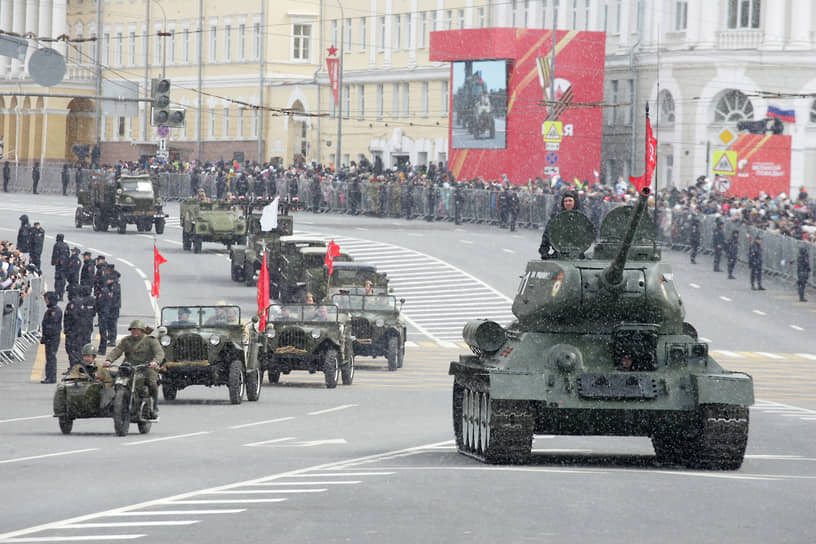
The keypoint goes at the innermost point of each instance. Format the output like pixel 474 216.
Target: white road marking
pixel 725 298
pixel 759 312
pixel 769 355
pixel 507 250
pixel 28 418
pixel 408 344
pixel 466 241
pixel 278 420
pixel 336 482
pixel 694 285
pixel 262 491
pixel 343 407
pixel 729 353
pixel 220 501
pixel 796 328
pixel 180 512
pixel 361 228
pixel 141 274
pixel 44 456
pixel 416 234
pixel 125 261
pixel 129 524
pixel 162 439
pixel 98 251
pixel 82 538
pixel 341 474
pixel 809 356
pixel 704 339
pixel 273 441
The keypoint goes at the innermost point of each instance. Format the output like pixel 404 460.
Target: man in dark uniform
pixel 316 194
pixel 501 204
pixel 59 260
pixel 51 331
pixel 140 348
pixel 802 272
pixel 694 236
pixel 755 263
pixel 458 203
pixel 569 201
pixel 74 265
pixel 513 208
pixel 431 194
pixel 70 325
pixel 731 251
pixel 35 177
pixel 194 181
pixel 86 276
pixel 99 274
pixel 37 242
pixel 65 179
pixel 78 175
pixel 108 304
pixel 6 176
pixel 718 241
pixel 24 236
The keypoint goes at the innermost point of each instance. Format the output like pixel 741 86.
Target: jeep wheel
pixel 236 382
pixel 274 376
pixel 392 353
pixel 98 223
pixel 66 424
pixel 249 275
pixel 121 412
pixel 78 218
pixel 401 356
pixel 147 226
pixel 169 391
pixel 253 384
pixel 196 244
pixel 159 226
pixel 186 244
pixel 347 371
pixel 331 367
pixel 237 273
pixel 122 226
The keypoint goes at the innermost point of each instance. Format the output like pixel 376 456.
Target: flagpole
pixel 657 105
pixel 155 300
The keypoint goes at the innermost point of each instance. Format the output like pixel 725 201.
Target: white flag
pixel 269 217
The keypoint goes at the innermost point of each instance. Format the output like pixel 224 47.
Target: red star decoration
pixel 332 50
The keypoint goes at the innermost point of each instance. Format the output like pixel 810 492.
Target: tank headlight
pixel 165 340
pixel 379 322
pixel 315 333
pixel 484 336
pixel 215 340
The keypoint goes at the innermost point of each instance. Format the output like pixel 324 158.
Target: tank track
pixel 491 431
pixel 716 441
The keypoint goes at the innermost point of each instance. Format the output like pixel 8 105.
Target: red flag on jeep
pixel 157 260
pixel 332 251
pixel 263 294
pixel 644 182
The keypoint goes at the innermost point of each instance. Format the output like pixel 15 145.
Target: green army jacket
pixel 138 351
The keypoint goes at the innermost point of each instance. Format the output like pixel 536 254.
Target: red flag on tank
pixel 644 182
pixel 332 251
pixel 263 294
pixel 157 260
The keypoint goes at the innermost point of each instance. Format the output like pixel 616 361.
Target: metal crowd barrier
pixel 10 351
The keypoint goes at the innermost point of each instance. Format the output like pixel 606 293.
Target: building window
pixel 228 43
pixel 381 36
pixel 480 17
pixel 335 35
pixel 225 123
pixel 171 53
pixel 613 99
pixel 395 32
pixel 213 43
pixel 514 16
pixel 256 40
pixel 733 106
pixel 132 48
pixel 445 98
pixel 526 15
pixel 574 14
pixel 347 36
pixel 424 99
pixel 586 14
pixel 449 20
pixel 379 101
pixel 666 108
pixel 255 118
pixel 681 14
pixel 422 30
pixel 363 36
pixel 107 47
pixel 119 50
pixel 300 44
pixel 460 19
pixel 346 101
pixel 743 13
pixel 212 122
pixel 157 48
pixel 121 127
pixel 360 101
pixel 395 100
pixel 242 42
pixel 406 110
pixel 239 128
pixel 185 45
pixel 618 15
pixel 407 33
pixel 813 112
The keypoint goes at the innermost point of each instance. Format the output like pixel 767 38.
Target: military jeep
pixel 352 277
pixel 105 201
pixel 304 271
pixel 316 338
pixel 376 325
pixel 211 221
pixel 208 345
pixel 288 263
pixel 245 261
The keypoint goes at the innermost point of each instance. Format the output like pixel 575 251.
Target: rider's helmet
pixel 89 349
pixel 136 324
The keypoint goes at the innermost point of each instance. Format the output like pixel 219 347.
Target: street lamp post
pixel 339 158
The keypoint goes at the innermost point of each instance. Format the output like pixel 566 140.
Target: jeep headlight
pixel 165 340
pixel 215 340
pixel 379 322
pixel 158 201
pixel 128 200
pixel 315 333
pixel 271 333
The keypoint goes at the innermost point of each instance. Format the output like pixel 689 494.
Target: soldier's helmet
pixel 136 324
pixel 88 349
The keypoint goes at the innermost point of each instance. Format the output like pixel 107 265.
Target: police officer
pixel 458 203
pixel 6 176
pixel 731 251
pixel 71 326
pixel 107 305
pixel 86 312
pixel 24 235
pixel 65 179
pixel 35 177
pixel 86 276
pixel 755 263
pixel 51 331
pixel 718 241
pixel 503 207
pixel 74 266
pixel 99 274
pixel 195 180
pixel 37 242
pixel 59 260
pixel 694 237
pixel 513 208
pixel 316 194
pixel 802 272
pixel 140 348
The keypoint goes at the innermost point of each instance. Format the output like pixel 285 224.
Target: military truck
pixel 304 271
pixel 245 261
pixel 289 257
pixel 217 221
pixel 316 338
pixel 107 202
pixel 208 345
pixel 351 278
pixel 599 347
pixel 376 325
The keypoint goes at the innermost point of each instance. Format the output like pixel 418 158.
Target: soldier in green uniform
pixel 139 349
pixel 101 372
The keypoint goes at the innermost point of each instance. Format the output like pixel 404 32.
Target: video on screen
pixel 479 104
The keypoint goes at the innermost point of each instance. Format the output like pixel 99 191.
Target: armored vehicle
pixel 376 325
pixel 599 347
pixel 304 271
pixel 288 257
pixel 316 338
pixel 221 221
pixel 106 202
pixel 351 278
pixel 207 345
pixel 245 261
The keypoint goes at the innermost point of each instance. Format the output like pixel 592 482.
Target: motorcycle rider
pixel 91 365
pixel 141 349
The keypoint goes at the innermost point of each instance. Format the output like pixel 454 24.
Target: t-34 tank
pixel 599 347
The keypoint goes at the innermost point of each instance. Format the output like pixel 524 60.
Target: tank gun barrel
pixel 613 275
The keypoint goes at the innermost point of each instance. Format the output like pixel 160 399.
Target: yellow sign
pixel 552 131
pixel 725 163
pixel 726 136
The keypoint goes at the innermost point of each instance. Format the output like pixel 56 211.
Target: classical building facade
pixel 251 75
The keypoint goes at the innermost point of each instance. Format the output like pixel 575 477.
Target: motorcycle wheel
pixel 66 424
pixel 121 412
pixel 144 414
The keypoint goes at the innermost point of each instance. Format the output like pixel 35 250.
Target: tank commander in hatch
pixel 569 201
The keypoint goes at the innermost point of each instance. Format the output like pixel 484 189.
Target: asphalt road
pixel 375 462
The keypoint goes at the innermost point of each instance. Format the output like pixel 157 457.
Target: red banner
pixel 644 182
pixel 263 294
pixel 333 67
pixel 332 251
pixel 157 260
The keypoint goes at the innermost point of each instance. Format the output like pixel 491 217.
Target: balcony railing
pixel 739 39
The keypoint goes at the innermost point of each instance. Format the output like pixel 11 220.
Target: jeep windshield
pixel 200 316
pixel 302 312
pixel 136 186
pixel 365 302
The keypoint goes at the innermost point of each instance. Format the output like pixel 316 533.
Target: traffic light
pixel 160 94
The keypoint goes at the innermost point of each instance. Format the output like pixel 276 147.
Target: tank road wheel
pixel 720 438
pixel 196 244
pixel 236 382
pixel 274 376
pixel 392 353
pixel 458 402
pixel 66 424
pixel 484 417
pixel 331 367
pixel 253 384
pixel 169 390
pixel 347 371
pixel 159 226
pixel 78 218
pixel 121 412
pixel 144 422
pixel 186 244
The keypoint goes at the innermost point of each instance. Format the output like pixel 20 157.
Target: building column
pixel 800 25
pixel 595 11
pixel 412 32
pixel 32 26
pixel 373 22
pixel 45 13
pixel 709 23
pixel 387 41
pixel 625 25
pixel 534 16
pixel 18 26
pixel 774 35
pixel 6 10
